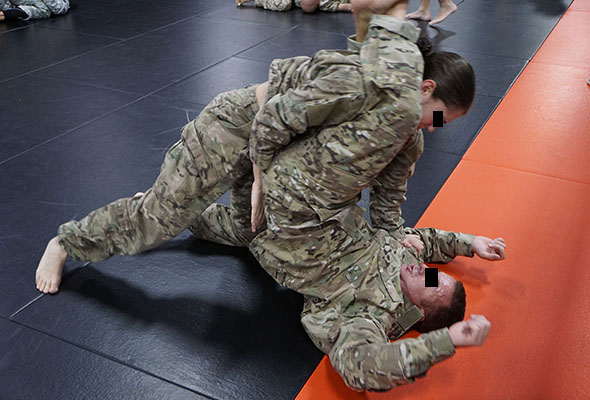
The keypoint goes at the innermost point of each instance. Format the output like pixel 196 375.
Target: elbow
pixel 360 380
pixel 368 383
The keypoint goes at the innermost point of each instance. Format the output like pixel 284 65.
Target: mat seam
pixel 527 171
pixel 111 358
pixel 128 104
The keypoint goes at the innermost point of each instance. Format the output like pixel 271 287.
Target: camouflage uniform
pixel 367 106
pixel 366 309
pixel 210 158
pixel 286 5
pixel 360 110
pixel 354 305
pixel 36 9
pixel 359 113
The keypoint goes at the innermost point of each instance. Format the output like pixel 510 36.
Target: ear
pixel 428 86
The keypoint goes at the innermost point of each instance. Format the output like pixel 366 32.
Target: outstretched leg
pixel 197 170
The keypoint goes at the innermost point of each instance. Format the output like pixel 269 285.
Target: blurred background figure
pixel 32 9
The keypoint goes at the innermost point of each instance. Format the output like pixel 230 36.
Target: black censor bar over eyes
pixel 431 277
pixel 437 119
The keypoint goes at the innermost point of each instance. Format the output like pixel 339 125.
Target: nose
pixel 430 128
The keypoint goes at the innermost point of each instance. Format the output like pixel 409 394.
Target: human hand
pixel 415 242
pixel 489 249
pixel 472 332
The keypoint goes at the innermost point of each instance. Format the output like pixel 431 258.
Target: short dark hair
pixel 437 316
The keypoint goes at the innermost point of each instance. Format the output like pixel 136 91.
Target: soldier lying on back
pixel 32 9
pixel 365 288
pixel 305 5
pixel 357 114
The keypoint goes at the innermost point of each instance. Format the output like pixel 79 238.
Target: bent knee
pixel 309 5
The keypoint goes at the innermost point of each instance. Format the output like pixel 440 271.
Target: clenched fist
pixel 472 332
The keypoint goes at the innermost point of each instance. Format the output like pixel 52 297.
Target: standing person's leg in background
pixel 447 7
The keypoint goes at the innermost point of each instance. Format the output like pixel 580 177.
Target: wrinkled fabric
pixel 210 158
pixel 354 116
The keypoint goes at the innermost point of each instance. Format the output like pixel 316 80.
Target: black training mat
pixel 34 365
pixel 91 101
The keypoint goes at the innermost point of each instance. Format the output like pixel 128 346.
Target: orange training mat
pixel 525 178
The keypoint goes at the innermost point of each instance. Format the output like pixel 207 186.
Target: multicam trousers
pixel 210 158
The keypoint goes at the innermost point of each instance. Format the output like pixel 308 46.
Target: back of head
pixel 454 76
pixel 441 316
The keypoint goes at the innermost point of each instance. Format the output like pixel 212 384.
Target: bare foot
pixel 48 276
pixel 421 14
pixel 240 2
pixel 446 9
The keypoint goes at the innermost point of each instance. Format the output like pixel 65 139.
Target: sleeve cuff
pixel 440 344
pixel 394 25
pixel 353 45
pixel 464 241
pixel 262 161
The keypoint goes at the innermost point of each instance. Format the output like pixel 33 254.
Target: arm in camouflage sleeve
pixel 442 246
pixel 332 5
pixel 389 189
pixel 366 360
pixel 334 97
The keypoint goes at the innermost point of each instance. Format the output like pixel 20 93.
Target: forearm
pixel 387 215
pixel 382 366
pixel 257 175
pixel 389 191
pixel 443 246
pixel 261 91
